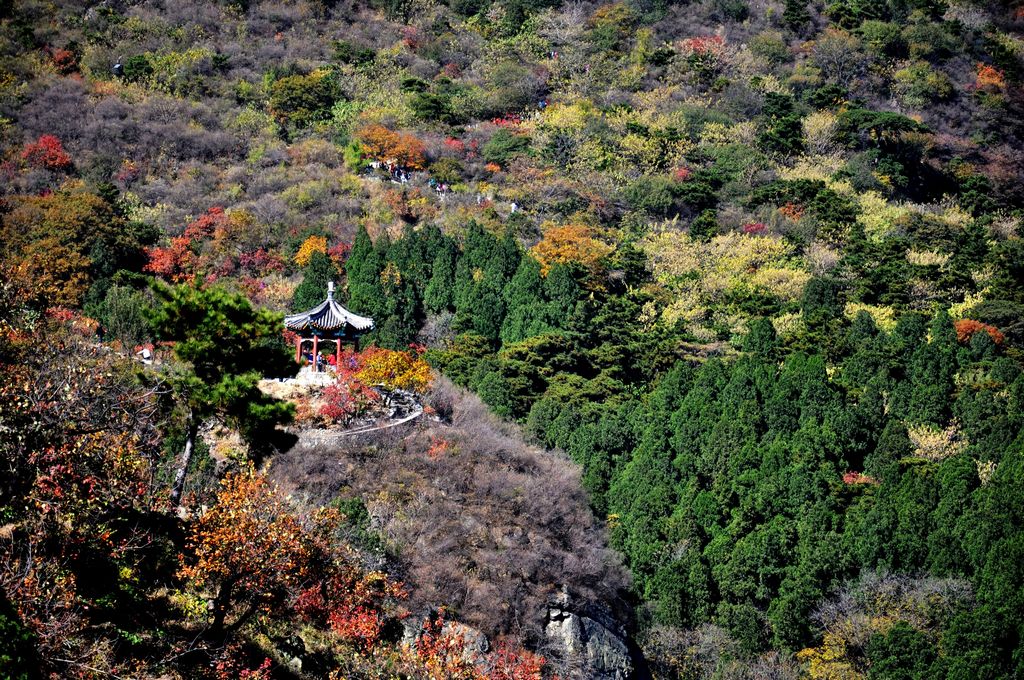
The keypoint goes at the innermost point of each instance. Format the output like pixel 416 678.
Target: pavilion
pixel 327 321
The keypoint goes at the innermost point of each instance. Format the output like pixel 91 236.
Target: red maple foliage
pixel 455 144
pixel 508 663
pixel 339 253
pixel 64 60
pixel 261 262
pixel 47 152
pixel 443 651
pixel 349 396
pixel 852 477
pixel 352 603
pixel 179 261
pixel 508 122
pixel 705 44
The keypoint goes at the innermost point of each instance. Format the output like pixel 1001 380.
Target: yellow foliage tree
pixel 57 274
pixel 313 244
pixel 699 275
pixel 830 661
pixel 394 370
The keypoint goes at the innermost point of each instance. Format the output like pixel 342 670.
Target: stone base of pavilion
pixel 310 378
pixel 305 378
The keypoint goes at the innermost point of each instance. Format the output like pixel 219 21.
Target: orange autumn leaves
pixel 966 328
pixel 571 243
pixel 399 148
pixel 253 549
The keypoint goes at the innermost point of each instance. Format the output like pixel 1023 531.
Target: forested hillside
pixel 751 271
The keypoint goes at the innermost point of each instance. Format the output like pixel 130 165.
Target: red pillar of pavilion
pixel 298 348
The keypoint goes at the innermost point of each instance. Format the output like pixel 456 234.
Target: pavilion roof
pixel 329 316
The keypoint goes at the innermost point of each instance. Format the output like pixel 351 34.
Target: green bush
pixel 17 653
pixel 653 195
pixel 883 38
pixel 919 84
pixel 504 146
pixel 447 170
pixel 300 101
pixel 348 53
pixel 137 68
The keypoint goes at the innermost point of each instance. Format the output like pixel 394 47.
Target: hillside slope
pixel 755 267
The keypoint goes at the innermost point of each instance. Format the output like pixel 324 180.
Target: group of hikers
pixel 400 175
pixel 320 364
pixel 396 172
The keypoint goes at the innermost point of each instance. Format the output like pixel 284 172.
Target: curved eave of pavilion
pixel 329 317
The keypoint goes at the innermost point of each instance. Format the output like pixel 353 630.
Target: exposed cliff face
pixel 581 640
pixel 592 643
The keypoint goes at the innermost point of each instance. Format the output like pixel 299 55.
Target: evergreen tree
pixel 224 347
pixel 563 293
pixel 762 340
pixel 363 269
pixel 439 295
pixel 480 308
pixel 318 272
pixel 795 15
pixel 400 312
pixel 704 226
pixel 932 369
pixel 480 277
pixel 526 312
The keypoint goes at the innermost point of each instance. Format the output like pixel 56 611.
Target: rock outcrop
pixel 592 644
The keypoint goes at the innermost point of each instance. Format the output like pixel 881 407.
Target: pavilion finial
pixel 330 290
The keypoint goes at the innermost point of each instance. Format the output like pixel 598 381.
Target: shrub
pixel 770 46
pixel 446 170
pixel 783 132
pixel 47 152
pixel 611 26
pixel 300 101
pixel 503 146
pixel 883 38
pixel 927 40
pixel 840 56
pixel 918 85
pixel 137 68
pixel 349 53
pixel 405 370
pixel 653 195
